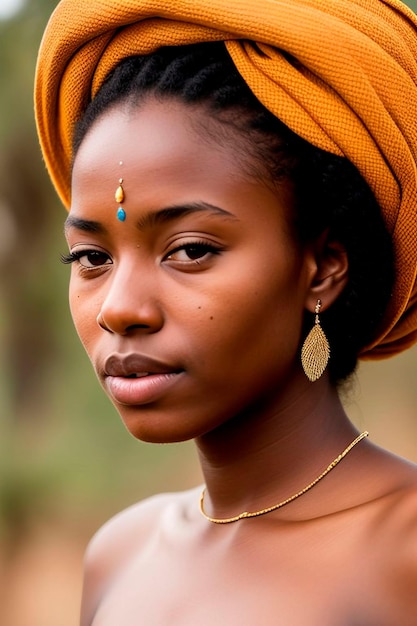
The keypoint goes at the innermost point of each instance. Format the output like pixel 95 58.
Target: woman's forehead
pixel 155 134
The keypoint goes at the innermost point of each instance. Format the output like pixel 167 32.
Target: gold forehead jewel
pixel 120 197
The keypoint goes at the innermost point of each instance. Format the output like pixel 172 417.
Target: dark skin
pixel 204 305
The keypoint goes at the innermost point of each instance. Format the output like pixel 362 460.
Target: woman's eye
pixel 191 253
pixel 87 258
pixel 94 259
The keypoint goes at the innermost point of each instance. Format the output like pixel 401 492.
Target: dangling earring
pixel 315 352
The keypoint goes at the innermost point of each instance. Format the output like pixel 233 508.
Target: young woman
pixel 242 194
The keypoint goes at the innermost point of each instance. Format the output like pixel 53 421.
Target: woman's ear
pixel 331 272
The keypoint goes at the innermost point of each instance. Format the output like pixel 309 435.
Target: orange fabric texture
pixel 340 73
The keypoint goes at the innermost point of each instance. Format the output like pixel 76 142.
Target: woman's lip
pixel 124 365
pixel 143 390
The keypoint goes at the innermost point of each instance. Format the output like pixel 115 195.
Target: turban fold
pixel 342 74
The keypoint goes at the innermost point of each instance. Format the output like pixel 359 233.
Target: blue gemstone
pixel 121 214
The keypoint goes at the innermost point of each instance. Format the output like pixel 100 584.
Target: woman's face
pixel 191 309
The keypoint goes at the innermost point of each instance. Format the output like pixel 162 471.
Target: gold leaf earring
pixel 315 352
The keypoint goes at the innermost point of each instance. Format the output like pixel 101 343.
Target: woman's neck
pixel 258 459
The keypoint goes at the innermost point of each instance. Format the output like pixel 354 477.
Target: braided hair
pixel 329 192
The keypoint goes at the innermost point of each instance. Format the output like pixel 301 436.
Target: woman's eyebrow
pixel 151 218
pixel 154 218
pixel 88 226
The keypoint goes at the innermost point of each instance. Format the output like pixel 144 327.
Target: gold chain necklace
pixel 246 514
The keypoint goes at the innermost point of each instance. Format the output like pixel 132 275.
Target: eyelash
pixel 69 258
pixel 203 246
pixel 73 257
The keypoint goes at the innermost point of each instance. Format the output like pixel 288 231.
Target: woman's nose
pixel 130 304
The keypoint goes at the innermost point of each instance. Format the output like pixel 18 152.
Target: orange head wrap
pixel 340 73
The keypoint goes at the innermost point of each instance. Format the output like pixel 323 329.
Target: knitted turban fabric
pixel 340 73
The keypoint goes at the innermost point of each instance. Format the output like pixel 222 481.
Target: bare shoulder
pixel 399 508
pixel 399 538
pixel 134 524
pixel 394 482
pixel 392 534
pixel 121 539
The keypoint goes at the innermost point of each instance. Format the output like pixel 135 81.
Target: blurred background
pixel 66 462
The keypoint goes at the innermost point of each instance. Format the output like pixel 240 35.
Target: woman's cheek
pixel 82 317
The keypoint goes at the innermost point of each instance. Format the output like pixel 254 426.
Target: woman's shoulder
pixel 396 515
pixel 122 538
pixel 389 521
pixel 127 530
pixel 395 544
pixel 393 481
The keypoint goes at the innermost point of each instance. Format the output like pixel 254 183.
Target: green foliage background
pixel 63 451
